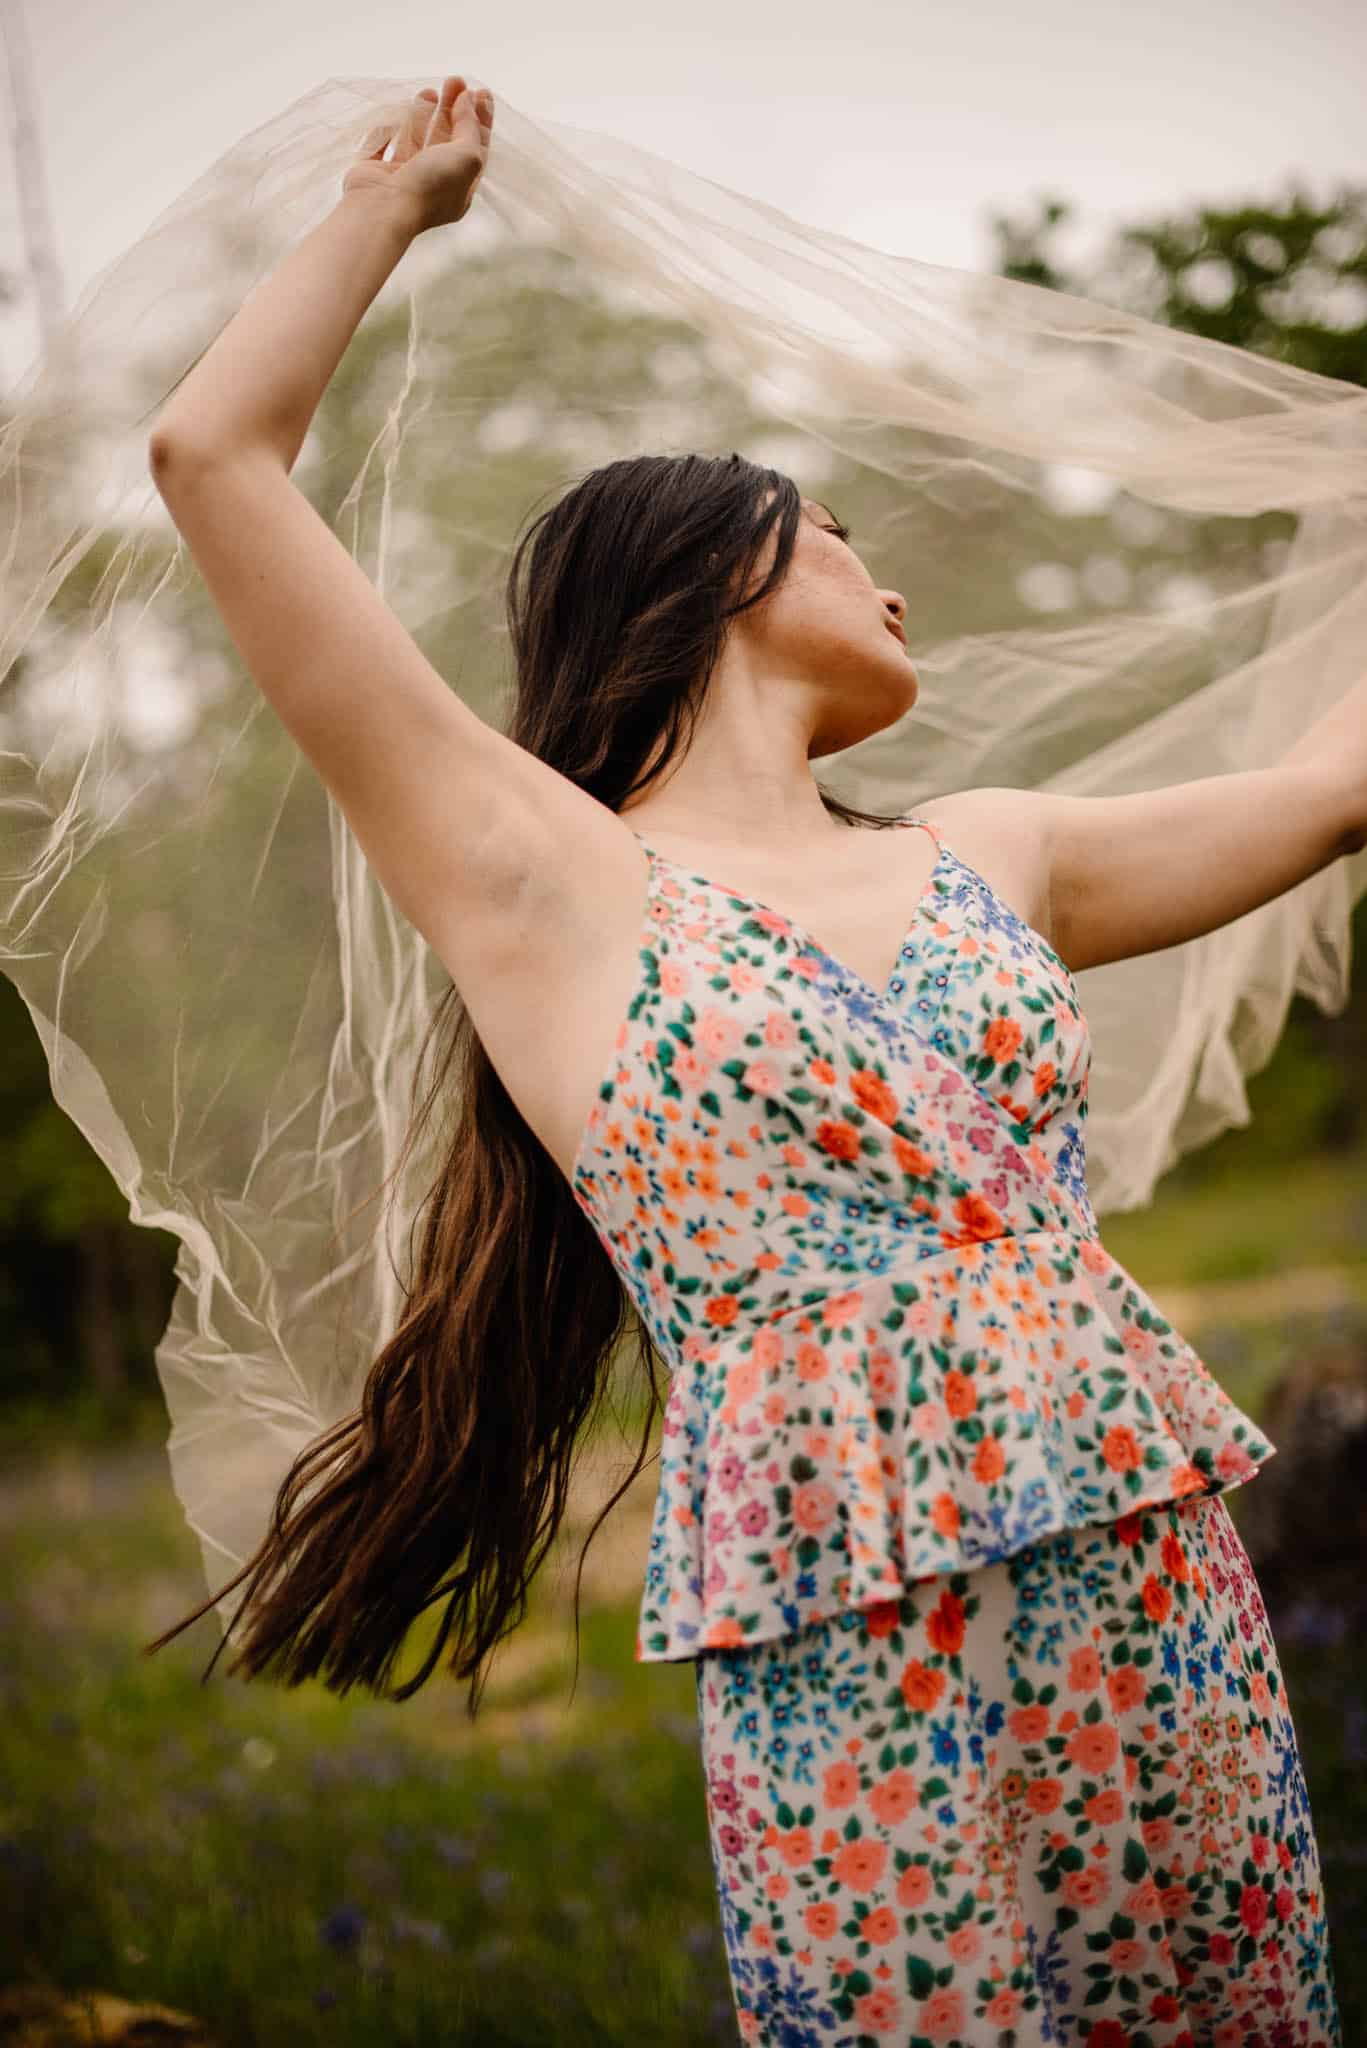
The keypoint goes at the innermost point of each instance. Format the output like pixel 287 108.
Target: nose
pixel 896 604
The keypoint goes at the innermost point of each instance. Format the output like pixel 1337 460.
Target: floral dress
pixel 996 1744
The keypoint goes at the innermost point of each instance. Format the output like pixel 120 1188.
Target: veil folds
pixel 232 1009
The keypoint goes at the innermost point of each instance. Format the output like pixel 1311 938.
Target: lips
pixel 897 632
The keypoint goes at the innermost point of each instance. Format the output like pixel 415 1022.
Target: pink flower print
pixel 817 1444
pixel 779 1031
pixel 717 1033
pixel 730 1472
pixel 997 1191
pixel 921 1318
pixel 814 1505
pixel 690 1071
pixel 743 978
pixel 767 1349
pixel 742 1381
pixel 842 1308
pixel 964 1943
pixel 725 1797
pixel 1233 1462
pixel 929 1422
pixel 763 1078
pixel 674 977
pixel 981 1139
pixel 878 2012
pixel 1141 1344
pixel 754 1518
pixel 941 2018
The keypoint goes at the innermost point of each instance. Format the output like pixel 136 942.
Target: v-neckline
pixel 803 933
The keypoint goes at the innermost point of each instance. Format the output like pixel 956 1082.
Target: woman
pixel 995 1739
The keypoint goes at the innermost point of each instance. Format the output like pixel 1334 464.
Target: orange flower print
pixel 961 1396
pixel 1029 1724
pixel 874 1096
pixel 1001 1040
pixel 795 1847
pixel 1126 1686
pixel 860 1864
pixel 989 1460
pixel 1093 1747
pixel 1104 1808
pixel 912 1159
pixel 722 1310
pixel 945 1626
pixel 1120 1448
pixel 1085 1888
pixel 944 1515
pixel 913 1887
pixel 893 1798
pixel 1043 1795
pixel 821 1919
pixel 1157 1599
pixel 1084 1670
pixel 840 1784
pixel 978 1217
pixel 879 1925
pixel 921 1686
pixel 1174 1557
pixel 841 1140
pixel 1045 1077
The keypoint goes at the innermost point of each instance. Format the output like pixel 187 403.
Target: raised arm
pixel 1133 874
pixel 448 811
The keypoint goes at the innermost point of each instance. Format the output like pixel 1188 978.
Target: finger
pixel 377 141
pixel 414 131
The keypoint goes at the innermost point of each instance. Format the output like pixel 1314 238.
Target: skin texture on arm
pixel 1133 874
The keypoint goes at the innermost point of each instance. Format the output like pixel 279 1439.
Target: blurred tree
pixel 1285 278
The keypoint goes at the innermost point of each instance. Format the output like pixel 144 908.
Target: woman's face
pixel 829 630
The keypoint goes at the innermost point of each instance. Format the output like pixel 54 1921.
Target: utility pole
pixel 40 240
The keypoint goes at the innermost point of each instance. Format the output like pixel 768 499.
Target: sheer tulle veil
pixel 230 1007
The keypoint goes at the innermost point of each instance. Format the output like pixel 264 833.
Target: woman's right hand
pixel 439 155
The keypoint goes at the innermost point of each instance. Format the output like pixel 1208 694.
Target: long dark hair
pixel 451 1480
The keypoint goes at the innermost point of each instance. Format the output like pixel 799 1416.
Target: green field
pixel 292 1868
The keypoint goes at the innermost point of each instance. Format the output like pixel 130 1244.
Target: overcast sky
pixel 901 123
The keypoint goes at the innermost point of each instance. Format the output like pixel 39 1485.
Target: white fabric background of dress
pixel 231 1008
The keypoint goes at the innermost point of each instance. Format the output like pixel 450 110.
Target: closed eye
pixel 840 532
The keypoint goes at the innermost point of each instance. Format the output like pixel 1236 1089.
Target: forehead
pixel 814 508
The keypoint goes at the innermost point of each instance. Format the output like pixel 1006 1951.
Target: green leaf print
pixel 708 1101
pixel 1135 1861
pixel 920 1977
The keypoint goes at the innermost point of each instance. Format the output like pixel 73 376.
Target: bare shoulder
pixel 1004 834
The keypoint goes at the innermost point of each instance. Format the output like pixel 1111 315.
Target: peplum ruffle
pixel 981 1399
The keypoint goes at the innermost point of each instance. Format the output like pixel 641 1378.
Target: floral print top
pixel 856 1224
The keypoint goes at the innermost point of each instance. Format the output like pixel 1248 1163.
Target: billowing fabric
pixel 1054 1800
pixel 856 1223
pixel 1132 557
